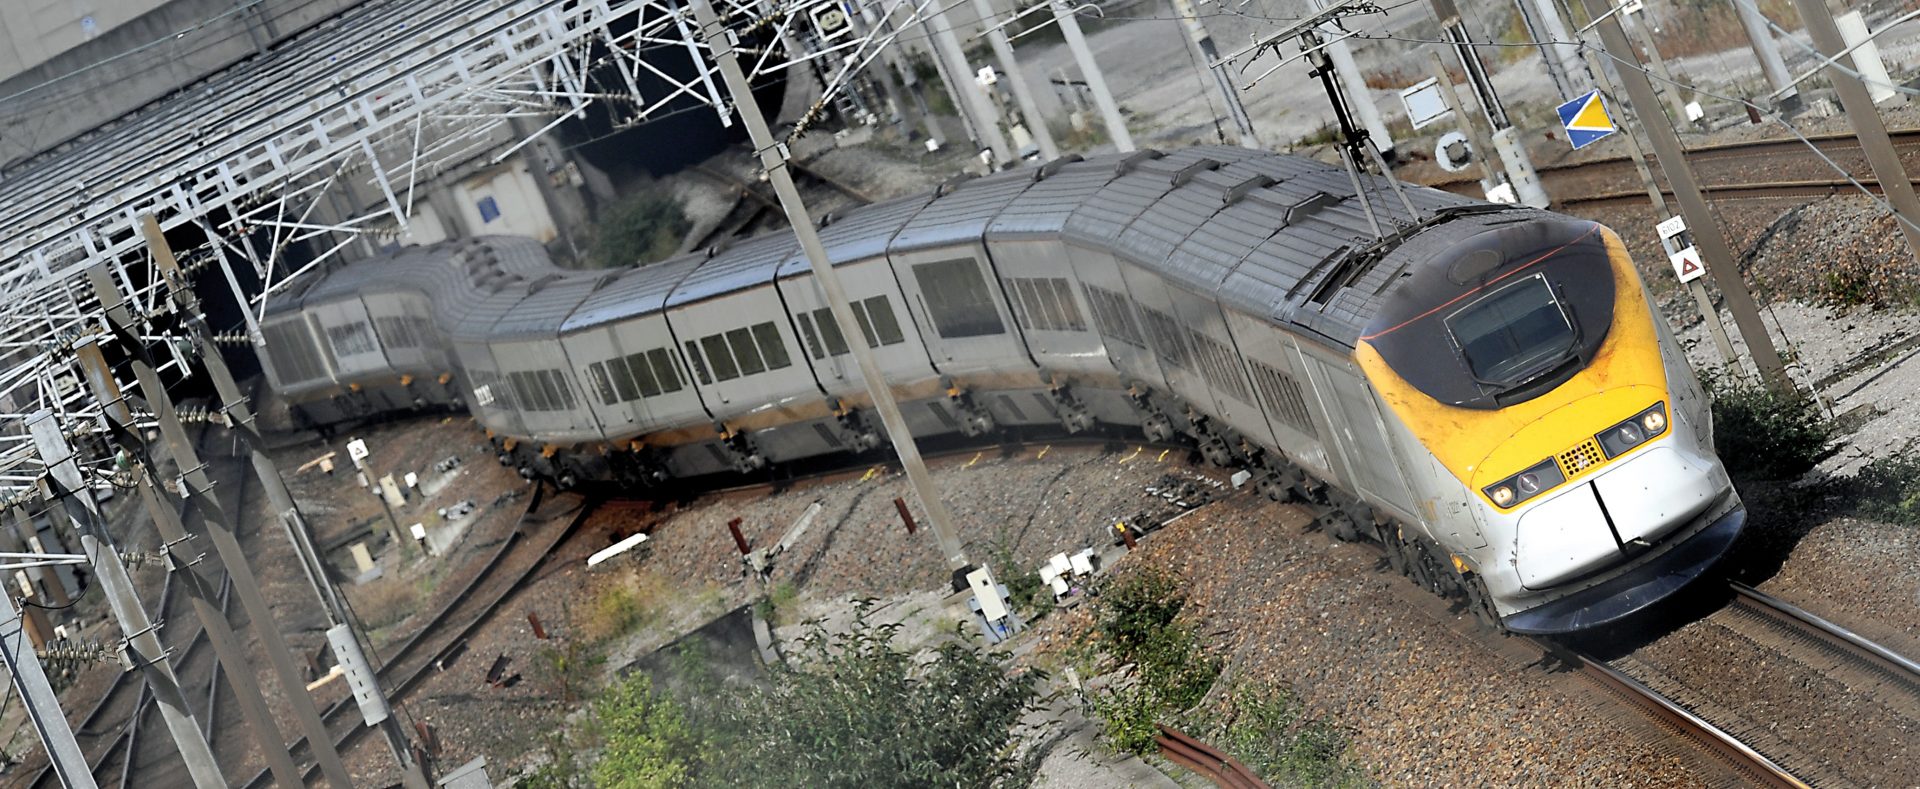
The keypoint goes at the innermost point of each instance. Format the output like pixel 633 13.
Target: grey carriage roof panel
pixel 862 233
pixel 544 312
pixel 962 215
pixel 744 265
pixel 638 291
pixel 1103 215
pixel 475 322
pixel 1044 207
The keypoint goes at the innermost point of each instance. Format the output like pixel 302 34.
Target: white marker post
pixel 1690 267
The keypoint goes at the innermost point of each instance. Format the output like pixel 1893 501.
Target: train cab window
pixel 957 299
pixel 1514 333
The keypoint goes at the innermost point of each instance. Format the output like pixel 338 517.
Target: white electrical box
pixel 353 663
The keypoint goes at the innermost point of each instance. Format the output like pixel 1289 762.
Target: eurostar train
pixel 1483 388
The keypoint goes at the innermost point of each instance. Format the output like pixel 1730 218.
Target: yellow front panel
pixel 1481 447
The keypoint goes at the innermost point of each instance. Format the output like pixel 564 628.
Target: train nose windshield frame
pixel 1514 334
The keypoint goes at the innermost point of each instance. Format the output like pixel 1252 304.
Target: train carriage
pixel 1482 388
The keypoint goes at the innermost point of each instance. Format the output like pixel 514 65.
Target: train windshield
pixel 1515 333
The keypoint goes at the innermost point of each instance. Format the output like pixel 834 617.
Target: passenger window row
pixel 292 352
pixel 351 339
pixel 1113 314
pixel 1219 365
pixel 737 353
pixel 636 375
pixel 876 319
pixel 1044 303
pixel 402 331
pixel 1165 334
pixel 542 390
pixel 1283 396
pixel 957 300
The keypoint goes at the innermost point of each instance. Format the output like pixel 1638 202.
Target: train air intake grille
pixel 1583 456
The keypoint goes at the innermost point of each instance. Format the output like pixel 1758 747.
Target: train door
pixel 605 371
pixel 964 320
pixel 1119 323
pixel 1360 435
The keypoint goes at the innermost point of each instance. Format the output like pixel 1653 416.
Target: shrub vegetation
pixel 1764 433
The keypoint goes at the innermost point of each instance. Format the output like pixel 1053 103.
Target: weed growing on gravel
pixel 1171 673
pixel 1268 730
pixel 621 607
pixel 1888 488
pixel 777 602
pixel 1765 434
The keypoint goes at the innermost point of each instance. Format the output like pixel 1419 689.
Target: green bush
pixel 1888 488
pixel 648 741
pixel 1763 433
pixel 1269 731
pixel 1172 673
pixel 644 228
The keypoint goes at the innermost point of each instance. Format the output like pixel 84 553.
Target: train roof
pixel 961 214
pixel 741 266
pixel 635 291
pixel 542 311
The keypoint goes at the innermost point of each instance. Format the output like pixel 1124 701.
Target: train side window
pixel 957 299
pixel 564 391
pixel 526 391
pixel 1017 302
pixel 1069 310
pixel 699 364
pixel 598 373
pixel 1165 334
pixel 830 332
pixel 719 358
pixel 808 336
pixel 622 378
pixel 772 348
pixel 885 325
pixel 350 339
pixel 642 375
pixel 866 326
pixel 1283 396
pixel 745 354
pixel 1113 316
pixel 550 394
pixel 663 371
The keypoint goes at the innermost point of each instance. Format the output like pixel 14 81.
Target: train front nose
pixel 1621 511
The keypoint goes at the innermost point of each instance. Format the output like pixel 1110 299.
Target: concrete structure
pixel 67 68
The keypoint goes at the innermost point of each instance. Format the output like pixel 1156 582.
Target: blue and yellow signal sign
pixel 1586 120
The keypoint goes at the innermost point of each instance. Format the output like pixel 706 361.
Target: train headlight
pixel 1526 484
pixel 1633 432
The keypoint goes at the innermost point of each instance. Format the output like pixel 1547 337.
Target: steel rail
pixel 1224 771
pixel 1842 639
pixel 1671 715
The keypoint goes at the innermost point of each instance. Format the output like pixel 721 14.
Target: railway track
pixel 442 639
pixel 1784 696
pixel 1758 169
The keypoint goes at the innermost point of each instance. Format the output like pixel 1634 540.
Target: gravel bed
pixel 1423 704
pixel 1761 691
pixel 1860 574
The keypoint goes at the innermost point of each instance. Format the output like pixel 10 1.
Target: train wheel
pixel 1481 604
pixel 1389 536
pixel 1340 524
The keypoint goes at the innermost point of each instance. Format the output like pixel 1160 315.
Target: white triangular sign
pixel 1687 264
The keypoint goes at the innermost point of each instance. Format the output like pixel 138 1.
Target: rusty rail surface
pixel 1224 771
pixel 1842 640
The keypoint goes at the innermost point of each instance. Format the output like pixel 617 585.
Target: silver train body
pixel 1238 299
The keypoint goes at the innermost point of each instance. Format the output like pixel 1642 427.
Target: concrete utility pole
pixel 1513 153
pixel 1197 33
pixel 1360 97
pixel 374 705
pixel 64 486
pixel 198 489
pixel 1771 64
pixel 1642 29
pixel 986 117
pixel 1865 119
pixel 184 564
pixel 1017 82
pixel 1565 47
pixel 36 695
pixel 1714 249
pixel 773 157
pixel 1090 71
pixel 1557 70
pixel 1483 156
pixel 1635 151
pixel 940 67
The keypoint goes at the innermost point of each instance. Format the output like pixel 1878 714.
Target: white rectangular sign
pixel 1671 226
pixel 1687 264
pixel 1424 102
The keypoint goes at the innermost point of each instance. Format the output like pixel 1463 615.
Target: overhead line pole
pixel 774 158
pixel 986 116
pixel 1865 119
pixel 1090 71
pixel 1203 41
pixel 67 490
pixel 1017 82
pixel 36 695
pixel 1715 252
pixel 292 522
